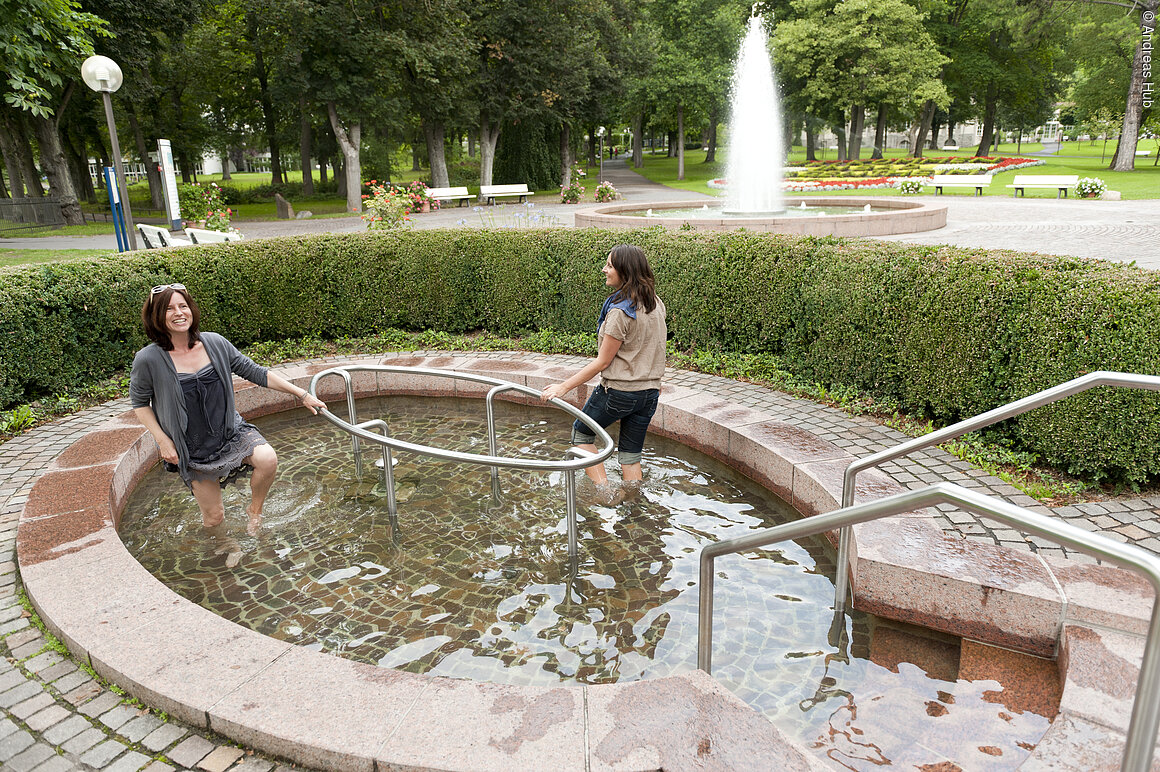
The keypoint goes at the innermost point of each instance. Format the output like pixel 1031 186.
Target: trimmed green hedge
pixel 946 332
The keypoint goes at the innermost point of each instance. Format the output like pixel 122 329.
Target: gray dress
pixel 218 443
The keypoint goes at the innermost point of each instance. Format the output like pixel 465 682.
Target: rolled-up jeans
pixel 634 410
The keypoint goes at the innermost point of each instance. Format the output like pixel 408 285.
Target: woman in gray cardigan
pixel 181 389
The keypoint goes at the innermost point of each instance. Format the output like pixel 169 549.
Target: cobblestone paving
pixel 54 716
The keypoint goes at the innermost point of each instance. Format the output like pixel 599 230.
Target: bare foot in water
pixel 255 523
pixel 228 546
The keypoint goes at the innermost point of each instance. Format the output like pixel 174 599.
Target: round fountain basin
pixel 471 587
pixel 835 216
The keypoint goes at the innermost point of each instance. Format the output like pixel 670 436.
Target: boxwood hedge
pixel 946 332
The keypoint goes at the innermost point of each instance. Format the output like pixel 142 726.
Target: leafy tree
pixel 858 52
pixel 42 45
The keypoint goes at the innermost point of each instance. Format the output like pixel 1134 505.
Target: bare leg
pixel 208 494
pixel 631 472
pixel 265 463
pixel 596 472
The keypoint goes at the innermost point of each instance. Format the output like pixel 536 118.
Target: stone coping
pixel 901 217
pixel 326 712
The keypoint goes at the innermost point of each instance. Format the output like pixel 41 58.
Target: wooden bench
pixel 450 194
pixel 489 193
pixel 203 236
pixel 159 238
pixel 976 181
pixel 1062 182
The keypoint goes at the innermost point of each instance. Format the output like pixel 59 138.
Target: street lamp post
pixel 100 73
pixel 600 133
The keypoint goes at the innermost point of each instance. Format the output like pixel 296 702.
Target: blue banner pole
pixel 115 208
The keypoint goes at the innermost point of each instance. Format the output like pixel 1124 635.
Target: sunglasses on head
pixel 162 287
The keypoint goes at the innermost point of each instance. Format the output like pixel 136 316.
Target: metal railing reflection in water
pixel 574 458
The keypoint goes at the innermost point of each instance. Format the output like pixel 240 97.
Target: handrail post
pixel 388 462
pixel 492 442
pixel 705 615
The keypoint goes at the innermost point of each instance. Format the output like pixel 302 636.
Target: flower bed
pixel 854 175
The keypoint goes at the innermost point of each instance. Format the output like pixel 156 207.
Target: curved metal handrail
pixel 1010 410
pixel 574 459
pixel 1145 707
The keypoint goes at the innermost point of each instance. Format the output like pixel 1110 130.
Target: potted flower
pixel 605 192
pixel 1090 187
pixel 573 191
pixel 386 207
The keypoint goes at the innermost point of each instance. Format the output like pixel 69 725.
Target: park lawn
pixel 1143 183
pixel 88 229
pixel 11 257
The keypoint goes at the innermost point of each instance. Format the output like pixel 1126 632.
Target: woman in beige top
pixel 631 333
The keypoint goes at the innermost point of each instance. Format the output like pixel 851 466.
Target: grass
pixel 12 257
pixel 1143 183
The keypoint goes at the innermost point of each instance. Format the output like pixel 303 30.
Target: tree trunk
pixel 637 141
pixel 436 154
pixel 32 184
pixel 349 138
pixel 565 154
pixel 951 132
pixel 3 187
pixel 339 177
pixel 879 132
pixel 810 140
pixel 923 127
pixel 78 165
pixel 1124 159
pixel 711 153
pixel 225 162
pixel 672 138
pixel 305 141
pixel 269 117
pixel 680 142
pixel 60 182
pixel 991 104
pixel 840 130
pixel 488 137
pixel 934 127
pixel 322 180
pixel 156 194
pixel 470 144
pixel 11 157
pixel 857 121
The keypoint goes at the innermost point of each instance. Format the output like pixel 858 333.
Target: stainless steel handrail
pixel 1145 707
pixel 1010 410
pixel 579 460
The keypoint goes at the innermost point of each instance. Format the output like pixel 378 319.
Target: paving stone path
pixel 55 716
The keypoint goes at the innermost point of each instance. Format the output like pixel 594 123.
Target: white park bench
pixel 489 193
pixel 159 238
pixel 203 236
pixel 976 181
pixel 1062 182
pixel 450 194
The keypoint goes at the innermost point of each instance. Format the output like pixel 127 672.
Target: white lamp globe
pixel 101 73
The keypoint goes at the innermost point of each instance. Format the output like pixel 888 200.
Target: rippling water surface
pixel 470 588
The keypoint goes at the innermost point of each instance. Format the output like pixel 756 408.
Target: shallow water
pixel 470 588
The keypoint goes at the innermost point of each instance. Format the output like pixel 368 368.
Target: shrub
pixel 573 191
pixel 943 332
pixel 909 187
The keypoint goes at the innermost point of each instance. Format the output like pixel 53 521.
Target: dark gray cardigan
pixel 153 383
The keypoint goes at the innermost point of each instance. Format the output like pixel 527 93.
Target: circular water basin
pixel 823 216
pixel 471 588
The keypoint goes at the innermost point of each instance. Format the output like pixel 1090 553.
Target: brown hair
pixel 636 277
pixel 153 316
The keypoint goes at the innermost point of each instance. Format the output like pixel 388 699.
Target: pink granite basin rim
pixel 325 712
